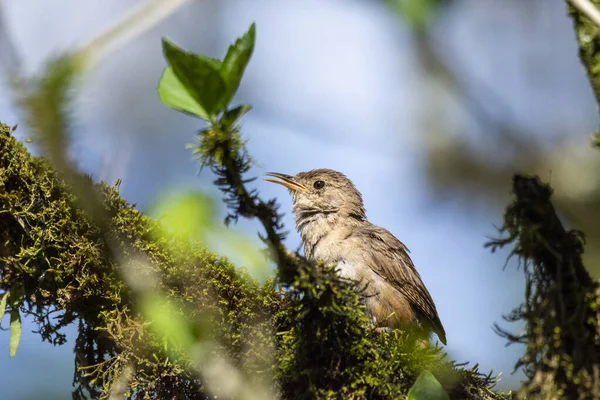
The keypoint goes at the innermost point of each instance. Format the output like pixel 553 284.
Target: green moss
pixel 586 33
pixel 313 337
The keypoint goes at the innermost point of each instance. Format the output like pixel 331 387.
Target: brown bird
pixel 331 219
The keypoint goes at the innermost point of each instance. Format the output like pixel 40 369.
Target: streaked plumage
pixel 332 223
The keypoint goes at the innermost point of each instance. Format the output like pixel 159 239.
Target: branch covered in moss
pixel 58 260
pixel 220 147
pixel 561 305
pixel 324 346
pixel 587 33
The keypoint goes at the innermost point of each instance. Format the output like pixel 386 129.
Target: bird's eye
pixel 319 184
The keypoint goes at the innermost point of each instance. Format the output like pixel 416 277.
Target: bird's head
pixel 322 191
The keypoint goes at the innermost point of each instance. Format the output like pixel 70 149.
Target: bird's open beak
pixel 287 181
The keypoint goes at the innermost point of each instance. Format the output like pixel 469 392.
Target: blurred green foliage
pixel 418 14
pixel 188 213
pixel 15 320
pixel 427 387
pixel 45 100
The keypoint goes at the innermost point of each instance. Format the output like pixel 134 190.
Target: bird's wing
pixel 390 260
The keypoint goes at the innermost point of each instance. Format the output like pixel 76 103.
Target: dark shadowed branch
pixel 561 300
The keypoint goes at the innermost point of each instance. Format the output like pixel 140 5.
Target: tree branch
pixel 563 344
pixel 588 9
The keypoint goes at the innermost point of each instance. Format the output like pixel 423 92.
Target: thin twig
pixel 588 9
pixel 139 19
pixel 10 60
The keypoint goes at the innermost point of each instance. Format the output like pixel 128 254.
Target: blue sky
pixel 334 84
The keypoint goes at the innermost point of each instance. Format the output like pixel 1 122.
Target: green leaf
pixel 173 94
pixel 240 248
pixel 199 75
pixel 216 64
pixel 15 330
pixel 596 140
pixel 231 117
pixel 426 387
pixel 3 304
pixel 167 322
pixel 187 213
pixel 235 62
pixel 418 13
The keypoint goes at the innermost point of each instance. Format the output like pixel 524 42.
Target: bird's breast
pixel 328 247
pixel 348 270
pixel 347 259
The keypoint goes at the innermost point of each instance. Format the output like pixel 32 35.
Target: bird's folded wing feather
pixel 390 260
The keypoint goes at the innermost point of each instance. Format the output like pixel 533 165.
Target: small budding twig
pixel 229 168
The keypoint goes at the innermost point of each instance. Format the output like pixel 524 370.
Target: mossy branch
pixel 58 256
pixel 561 303
pixel 221 149
pixel 587 33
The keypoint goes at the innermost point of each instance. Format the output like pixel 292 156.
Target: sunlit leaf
pixel 187 213
pixel 231 117
pixel 15 330
pixel 166 321
pixel 245 253
pixel 173 94
pixel 235 62
pixel 426 387
pixel 596 140
pixel 198 75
